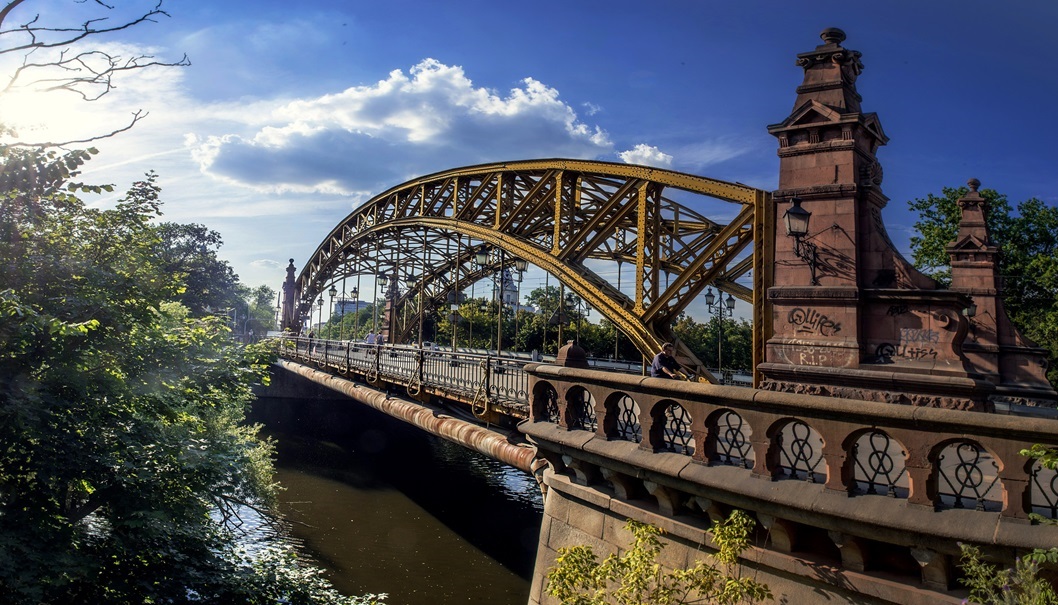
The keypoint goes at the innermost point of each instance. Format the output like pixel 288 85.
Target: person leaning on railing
pixel 665 364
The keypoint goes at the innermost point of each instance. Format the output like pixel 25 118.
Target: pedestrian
pixel 665 364
pixel 370 338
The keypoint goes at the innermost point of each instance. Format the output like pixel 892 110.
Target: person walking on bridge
pixel 665 364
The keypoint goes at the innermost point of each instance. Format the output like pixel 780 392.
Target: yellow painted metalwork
pixel 641 249
pixel 586 219
pixel 499 201
pixel 556 238
pixel 763 274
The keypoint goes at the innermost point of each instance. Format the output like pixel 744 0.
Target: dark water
pixel 386 508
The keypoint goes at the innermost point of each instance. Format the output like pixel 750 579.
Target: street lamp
pixel 720 308
pixel 332 293
pixel 482 259
pixel 319 314
pixel 796 219
pixel 380 284
pixel 356 313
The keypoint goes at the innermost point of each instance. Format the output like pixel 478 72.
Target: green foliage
pixel 1021 585
pixel 702 339
pixel 636 578
pixel 124 457
pixel 1027 238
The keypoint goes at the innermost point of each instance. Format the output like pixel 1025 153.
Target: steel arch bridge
pixel 570 218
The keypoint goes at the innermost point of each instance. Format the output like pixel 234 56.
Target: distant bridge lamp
pixel 355 295
pixel 720 307
pixel 333 292
pixel 796 219
pixel 381 280
pixel 520 265
pixel 481 257
pixel 319 313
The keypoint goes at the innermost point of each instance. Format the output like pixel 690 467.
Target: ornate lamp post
pixel 482 259
pixel 356 313
pixel 380 283
pixel 332 293
pixel 796 219
pixel 721 308
pixel 319 314
pixel 520 265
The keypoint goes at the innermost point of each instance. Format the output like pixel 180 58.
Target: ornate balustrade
pixel 863 477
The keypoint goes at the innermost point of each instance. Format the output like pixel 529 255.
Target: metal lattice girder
pixel 564 216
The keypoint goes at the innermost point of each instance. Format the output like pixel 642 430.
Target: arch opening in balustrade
pixel 544 406
pixel 798 452
pixel 729 439
pixel 1043 490
pixel 966 476
pixel 671 428
pixel 580 410
pixel 622 418
pixel 877 464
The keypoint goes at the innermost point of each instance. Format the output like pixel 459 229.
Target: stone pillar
pixel 851 317
pixel 994 346
pixel 290 294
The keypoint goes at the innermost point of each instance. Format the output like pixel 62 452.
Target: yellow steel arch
pixel 567 217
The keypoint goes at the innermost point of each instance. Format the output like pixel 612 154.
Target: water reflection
pixel 386 508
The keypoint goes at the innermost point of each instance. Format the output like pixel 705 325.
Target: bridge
pixel 887 414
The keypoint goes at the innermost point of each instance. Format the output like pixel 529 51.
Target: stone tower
pixel 851 317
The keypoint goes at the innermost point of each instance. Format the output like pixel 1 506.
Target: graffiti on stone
pixel 909 335
pixel 810 321
pixel 808 353
pixel 898 310
pixel 885 353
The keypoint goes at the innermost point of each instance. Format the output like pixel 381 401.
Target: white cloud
pixel 647 155
pixel 367 138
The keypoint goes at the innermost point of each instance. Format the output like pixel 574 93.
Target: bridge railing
pixel 499 382
pixel 930 457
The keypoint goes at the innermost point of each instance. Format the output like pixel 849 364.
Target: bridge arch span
pixel 576 220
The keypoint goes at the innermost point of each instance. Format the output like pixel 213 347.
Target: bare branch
pixel 50 62
pixel 75 34
pixel 138 115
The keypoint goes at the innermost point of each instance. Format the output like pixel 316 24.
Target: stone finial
pixel 572 356
pixel 973 184
pixel 832 35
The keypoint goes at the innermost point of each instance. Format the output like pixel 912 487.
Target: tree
pixel 702 338
pixel 55 58
pixel 636 578
pixel 124 459
pixel 261 311
pixel 189 252
pixel 1027 238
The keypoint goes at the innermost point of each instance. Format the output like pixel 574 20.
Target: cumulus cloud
pixel 367 138
pixel 647 155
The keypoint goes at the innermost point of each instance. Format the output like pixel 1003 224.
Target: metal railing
pixel 484 380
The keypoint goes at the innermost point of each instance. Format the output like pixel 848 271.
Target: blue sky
pixel 293 113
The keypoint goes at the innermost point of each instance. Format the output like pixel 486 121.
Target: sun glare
pixel 42 117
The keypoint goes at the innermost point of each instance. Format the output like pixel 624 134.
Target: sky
pixel 292 114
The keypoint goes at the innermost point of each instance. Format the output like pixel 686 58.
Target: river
pixel 384 507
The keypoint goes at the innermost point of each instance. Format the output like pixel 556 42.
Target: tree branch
pixel 138 115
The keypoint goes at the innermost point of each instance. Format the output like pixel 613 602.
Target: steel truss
pixel 571 218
